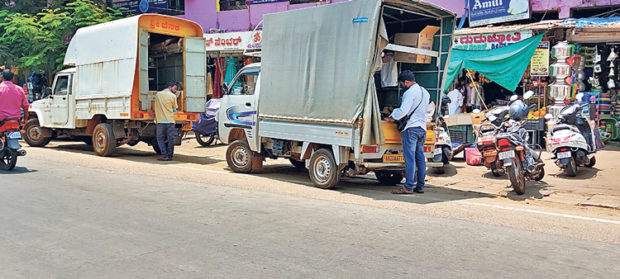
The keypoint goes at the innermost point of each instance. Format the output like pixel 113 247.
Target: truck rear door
pixel 195 74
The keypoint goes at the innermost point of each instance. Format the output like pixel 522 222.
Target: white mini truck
pixel 107 95
pixel 313 100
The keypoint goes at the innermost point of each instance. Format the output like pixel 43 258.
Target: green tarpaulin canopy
pixel 505 66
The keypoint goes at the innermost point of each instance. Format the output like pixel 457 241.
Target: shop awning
pixel 504 66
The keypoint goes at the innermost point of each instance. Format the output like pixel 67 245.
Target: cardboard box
pixel 458 119
pixel 423 40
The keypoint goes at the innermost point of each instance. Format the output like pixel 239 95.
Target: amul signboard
pixel 484 12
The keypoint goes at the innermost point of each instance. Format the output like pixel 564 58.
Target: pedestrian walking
pixel 165 107
pixel 413 106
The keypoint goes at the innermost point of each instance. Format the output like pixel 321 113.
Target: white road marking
pixel 542 212
pixel 608 221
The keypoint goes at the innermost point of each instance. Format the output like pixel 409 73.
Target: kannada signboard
pixel 139 6
pixel 484 12
pixel 486 41
pixel 248 40
pixel 539 66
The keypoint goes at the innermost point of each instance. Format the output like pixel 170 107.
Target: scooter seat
pixel 563 127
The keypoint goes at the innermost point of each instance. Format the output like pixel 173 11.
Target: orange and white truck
pixel 106 95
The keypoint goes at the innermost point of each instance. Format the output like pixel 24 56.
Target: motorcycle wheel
pixel 540 175
pixel 517 179
pixel 8 160
pixel 571 168
pixel 591 163
pixel 205 140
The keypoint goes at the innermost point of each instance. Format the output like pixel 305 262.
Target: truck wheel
pixel 324 172
pixel 239 156
pixel 104 142
pixel 33 135
pixel 298 164
pixel 389 177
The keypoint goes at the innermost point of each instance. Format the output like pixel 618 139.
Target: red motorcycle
pixel 487 140
pixel 9 144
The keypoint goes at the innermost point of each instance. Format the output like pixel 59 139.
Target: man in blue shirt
pixel 415 102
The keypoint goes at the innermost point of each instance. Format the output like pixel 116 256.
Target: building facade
pixel 237 15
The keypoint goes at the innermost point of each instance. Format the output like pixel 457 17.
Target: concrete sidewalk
pixel 598 186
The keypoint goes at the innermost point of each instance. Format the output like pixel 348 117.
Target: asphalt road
pixel 75 215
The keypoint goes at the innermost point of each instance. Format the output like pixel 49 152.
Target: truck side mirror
pixel 225 88
pixel 48 91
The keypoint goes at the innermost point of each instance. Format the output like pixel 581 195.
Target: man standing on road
pixel 12 98
pixel 415 101
pixel 165 107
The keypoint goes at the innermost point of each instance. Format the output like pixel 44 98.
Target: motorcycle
pixel 571 140
pixel 520 161
pixel 205 128
pixel 486 141
pixel 9 144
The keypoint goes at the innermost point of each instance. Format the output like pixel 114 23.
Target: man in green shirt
pixel 165 107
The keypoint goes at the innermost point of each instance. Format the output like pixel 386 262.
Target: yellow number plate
pixel 393 158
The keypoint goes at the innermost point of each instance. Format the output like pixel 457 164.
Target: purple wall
pixel 204 11
pixel 564 6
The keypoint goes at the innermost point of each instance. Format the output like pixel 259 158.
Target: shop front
pixel 226 54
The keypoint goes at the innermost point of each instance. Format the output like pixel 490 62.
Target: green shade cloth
pixel 505 66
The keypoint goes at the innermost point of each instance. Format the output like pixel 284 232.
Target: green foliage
pixel 24 6
pixel 39 41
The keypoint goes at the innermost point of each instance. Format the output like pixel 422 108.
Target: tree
pixel 40 41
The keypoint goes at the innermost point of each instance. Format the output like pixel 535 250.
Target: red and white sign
pixel 248 40
pixel 486 41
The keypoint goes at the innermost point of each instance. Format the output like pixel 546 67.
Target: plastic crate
pixel 458 136
pixel 462 133
pixel 535 124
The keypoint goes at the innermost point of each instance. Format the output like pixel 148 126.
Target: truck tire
pixel 389 177
pixel 323 170
pixel 239 156
pixel 104 142
pixel 32 134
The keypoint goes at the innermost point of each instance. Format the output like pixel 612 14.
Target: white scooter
pixel 443 147
pixel 572 139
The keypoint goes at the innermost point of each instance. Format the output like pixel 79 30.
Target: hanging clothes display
pixel 231 69
pixel 220 71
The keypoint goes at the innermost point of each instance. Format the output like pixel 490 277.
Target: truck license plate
pixel 15 135
pixel 437 151
pixel 393 158
pixel 565 154
pixel 507 154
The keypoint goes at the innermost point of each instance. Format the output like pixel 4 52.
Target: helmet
pixel 518 110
